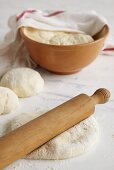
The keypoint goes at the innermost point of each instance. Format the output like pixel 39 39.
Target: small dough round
pixel 23 81
pixel 8 100
pixel 73 142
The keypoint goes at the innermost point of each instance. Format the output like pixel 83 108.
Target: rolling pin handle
pixel 101 96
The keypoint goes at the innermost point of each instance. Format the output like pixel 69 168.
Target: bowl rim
pixel 65 46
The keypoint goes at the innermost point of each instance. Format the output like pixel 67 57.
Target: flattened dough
pixel 23 81
pixel 73 142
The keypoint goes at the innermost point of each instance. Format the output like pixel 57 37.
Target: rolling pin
pixel 30 136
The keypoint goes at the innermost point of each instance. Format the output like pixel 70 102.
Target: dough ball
pixel 8 100
pixel 62 39
pixel 82 38
pixel 73 142
pixel 38 35
pixel 23 81
pixel 70 39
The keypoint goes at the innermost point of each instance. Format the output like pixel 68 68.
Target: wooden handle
pixel 101 96
pixel 30 136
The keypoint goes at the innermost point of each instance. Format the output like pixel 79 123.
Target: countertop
pixel 59 88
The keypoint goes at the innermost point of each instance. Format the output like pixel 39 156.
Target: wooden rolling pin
pixel 30 136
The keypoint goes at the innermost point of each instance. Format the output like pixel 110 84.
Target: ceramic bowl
pixel 65 59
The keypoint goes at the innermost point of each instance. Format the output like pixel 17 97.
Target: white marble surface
pixel 60 88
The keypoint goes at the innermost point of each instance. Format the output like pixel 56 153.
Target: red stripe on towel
pixel 108 49
pixel 24 12
pixel 53 14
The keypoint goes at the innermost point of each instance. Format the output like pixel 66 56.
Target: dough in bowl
pixel 73 142
pixel 57 37
pixel 8 100
pixel 23 81
pixel 70 39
